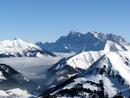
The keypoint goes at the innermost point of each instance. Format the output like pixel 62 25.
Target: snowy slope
pixel 20 48
pixel 111 46
pixel 82 60
pixel 13 84
pixel 68 67
pixel 107 77
pixel 85 59
pixel 15 93
pixel 91 41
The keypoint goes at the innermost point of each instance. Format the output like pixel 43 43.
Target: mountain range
pixel 91 41
pixel 100 71
pixel 91 65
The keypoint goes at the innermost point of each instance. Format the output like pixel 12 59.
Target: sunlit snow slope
pixel 108 76
pixel 19 48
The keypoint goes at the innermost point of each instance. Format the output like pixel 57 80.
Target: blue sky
pixel 47 20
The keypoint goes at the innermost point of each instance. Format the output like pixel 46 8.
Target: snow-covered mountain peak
pixel 16 43
pixel 18 39
pixel 18 47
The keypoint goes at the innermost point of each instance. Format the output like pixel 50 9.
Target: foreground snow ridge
pixel 105 74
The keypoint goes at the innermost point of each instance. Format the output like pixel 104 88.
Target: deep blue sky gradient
pixel 47 20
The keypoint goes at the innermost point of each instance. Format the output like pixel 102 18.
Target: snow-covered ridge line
pixel 85 59
pixel 107 76
pixel 18 47
pixel 18 44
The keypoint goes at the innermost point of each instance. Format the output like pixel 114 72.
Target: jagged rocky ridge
pixel 91 41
